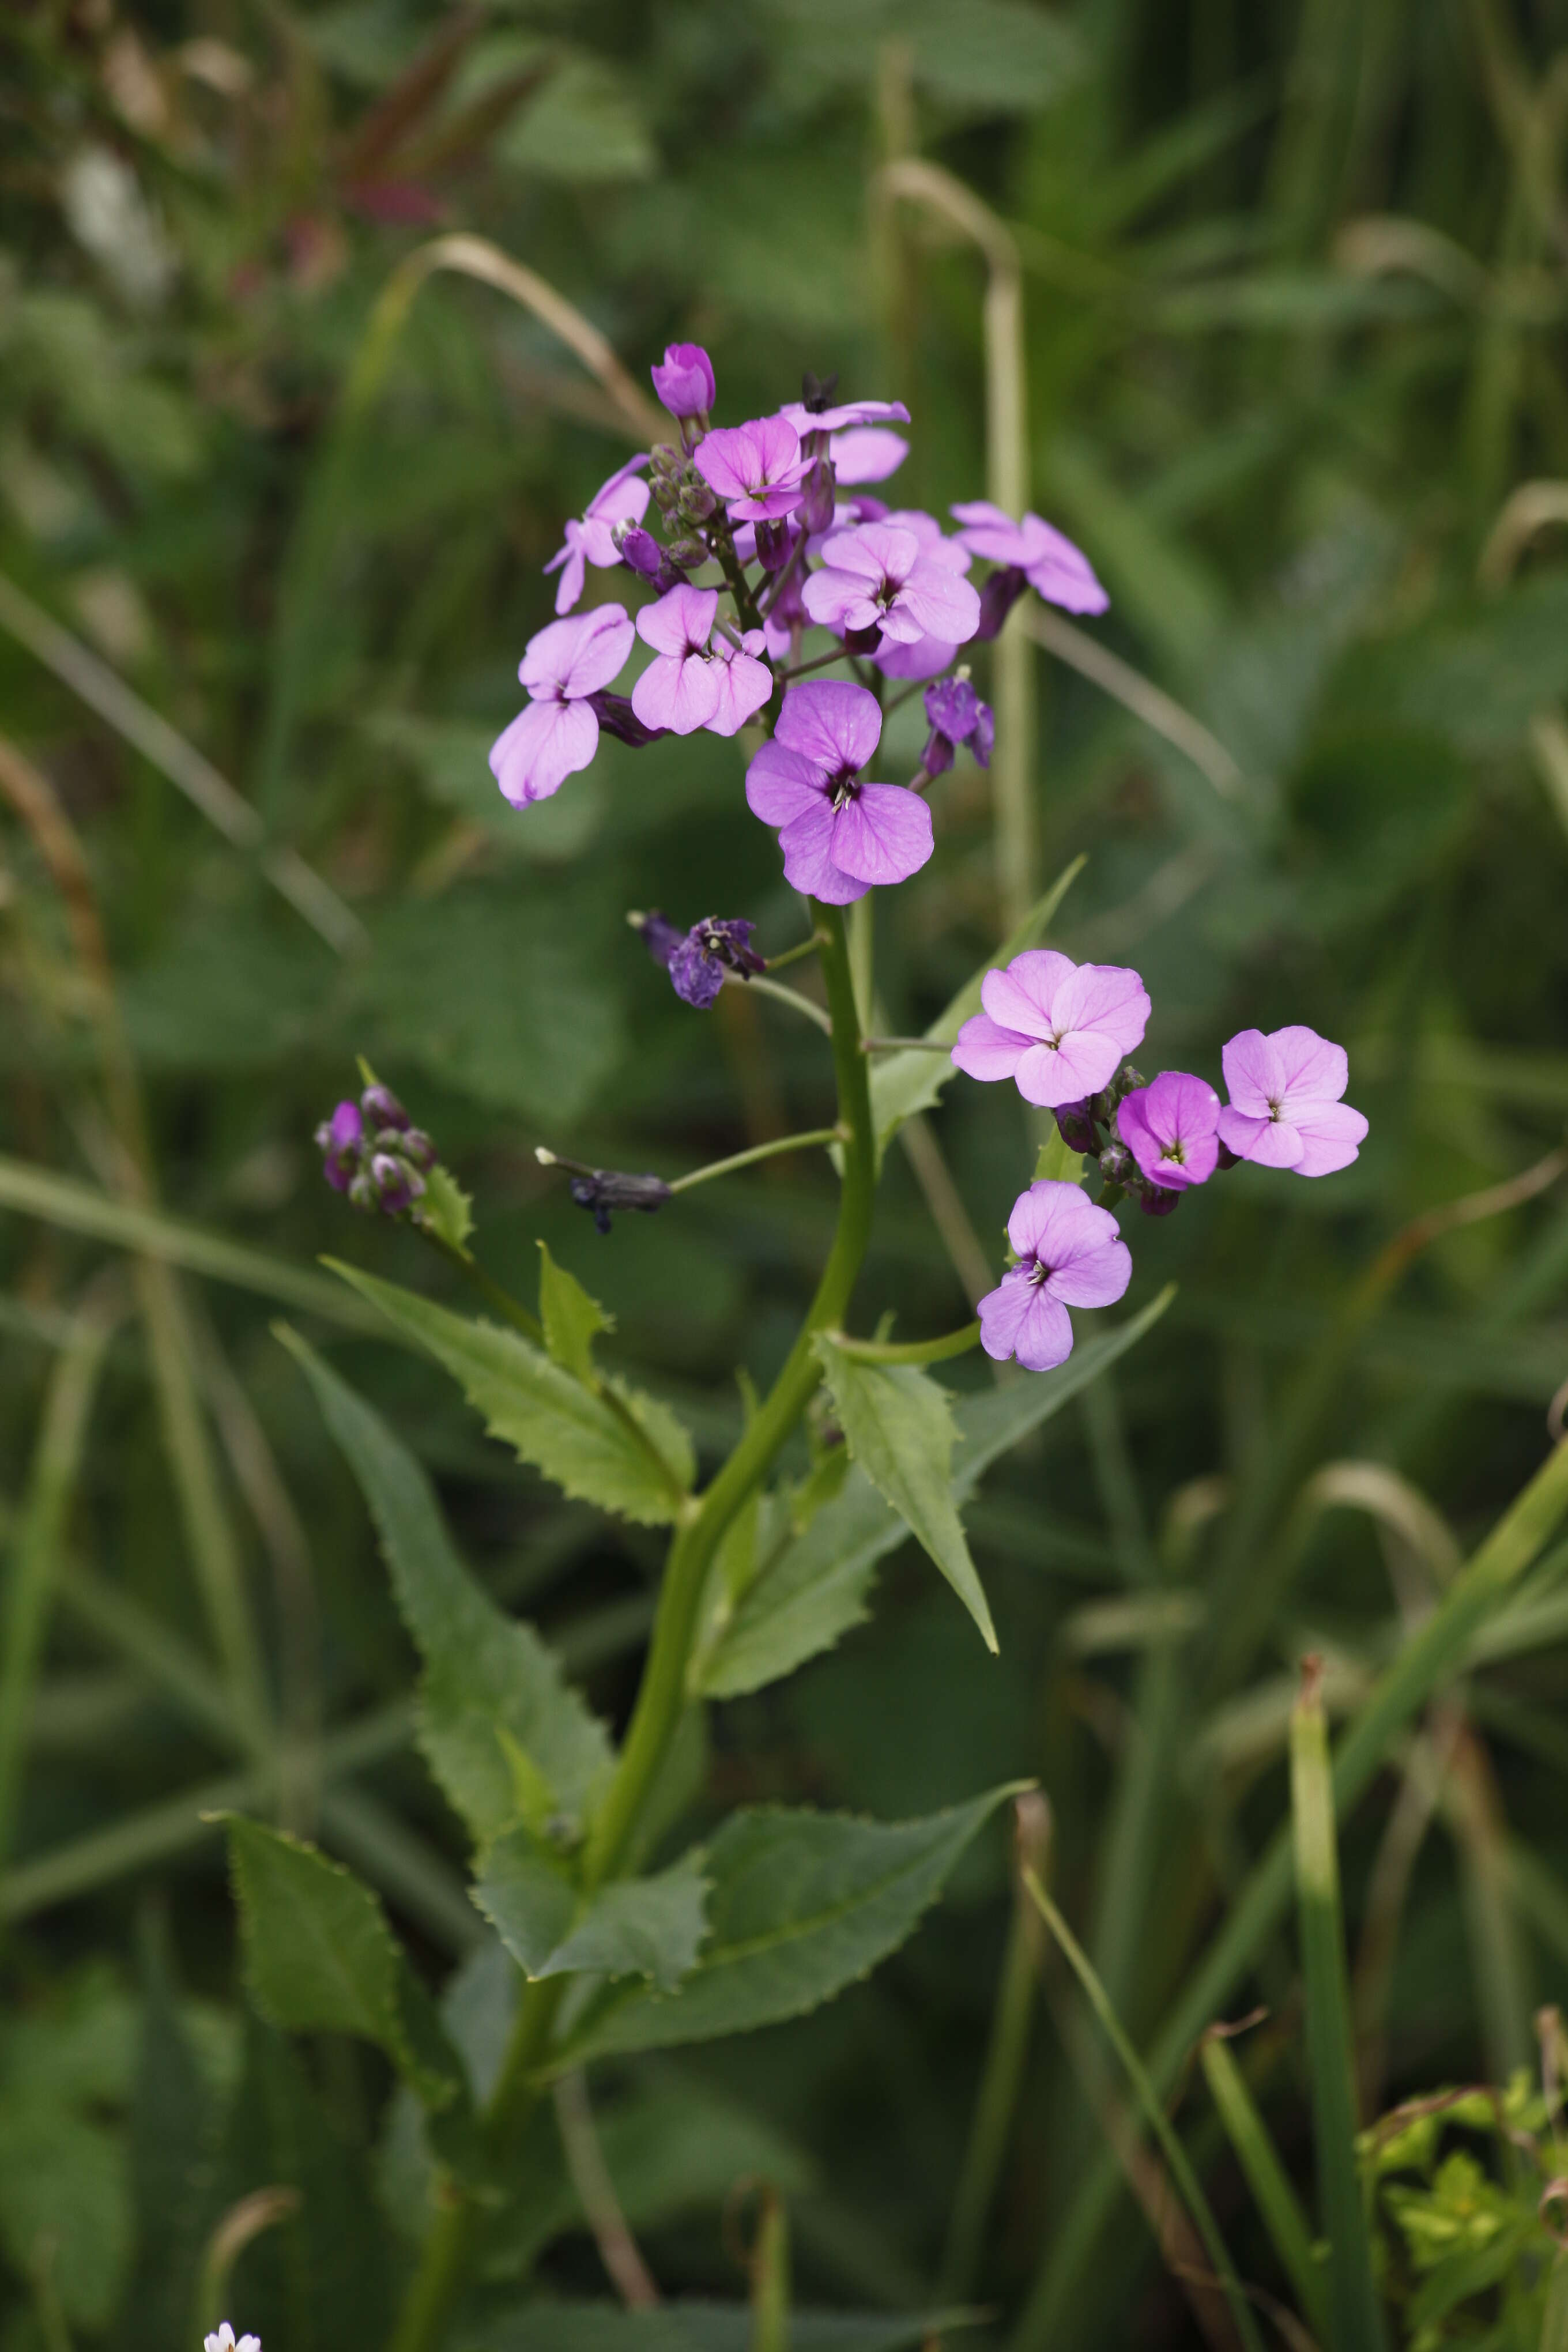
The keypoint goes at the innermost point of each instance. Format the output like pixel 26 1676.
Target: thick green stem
pixel 453 2242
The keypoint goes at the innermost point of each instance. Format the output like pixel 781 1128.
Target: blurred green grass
pixel 1295 303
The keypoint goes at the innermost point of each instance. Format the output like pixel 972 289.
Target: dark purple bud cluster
pixel 697 959
pixel 372 1153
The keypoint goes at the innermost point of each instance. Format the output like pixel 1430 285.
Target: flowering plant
pixel 773 562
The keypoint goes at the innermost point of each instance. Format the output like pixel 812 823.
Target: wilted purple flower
pixel 622 499
pixel 955 715
pixel 999 592
pixel 680 689
pixel 866 453
pixel 1070 1254
pixel 880 576
pixel 807 419
pixel 757 467
pixel 1170 1129
pixel 744 681
pixel 1054 567
pixel 1056 1027
pixel 712 946
pixel 657 934
pixel 839 835
pixel 337 1141
pixel 1285 1109
pixel 684 380
pixel 559 732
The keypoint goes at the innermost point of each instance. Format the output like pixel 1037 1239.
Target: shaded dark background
pixel 1295 304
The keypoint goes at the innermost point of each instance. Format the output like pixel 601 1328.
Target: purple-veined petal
pixel 985 1049
pixel 1253 1079
pixel 544 744
pixel 572 566
pixel 1053 1221
pixel 942 601
pixel 681 621
pixel 1018 1317
pixel 782 785
pixel 832 723
pixel 883 834
pixel 1086 1060
pixel 1268 1143
pixel 744 684
pixel 1023 994
pixel 927 658
pixel 1105 997
pixel 1309 1066
pixel 1058 571
pixel 1331 1136
pixel 679 691
pixel 840 600
pixel 1094 1277
pixel 809 863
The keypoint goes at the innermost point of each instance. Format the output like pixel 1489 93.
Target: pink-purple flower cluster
pixel 765 552
pixel 1061 1032
pixel 372 1152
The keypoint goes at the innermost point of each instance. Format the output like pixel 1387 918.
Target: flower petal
pixel 1331 1135
pixel 744 684
pixel 1309 1066
pixel 544 744
pixel 1012 1323
pixel 883 834
pixel 942 601
pixel 809 864
pixel 1106 997
pixel 782 785
pixel 1094 1277
pixel 983 1049
pixel 1270 1143
pixel 677 691
pixel 1024 993
pixel 1252 1074
pixel 830 722
pixel 866 453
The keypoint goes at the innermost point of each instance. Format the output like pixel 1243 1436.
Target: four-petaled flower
pixel 223 2340
pixel 684 380
pixel 679 689
pixel 839 835
pixel 1054 567
pixel 622 499
pixel 1070 1254
pixel 1056 1027
pixel 758 467
pixel 882 576
pixel 955 715
pixel 1170 1127
pixel 558 734
pixel 1285 1108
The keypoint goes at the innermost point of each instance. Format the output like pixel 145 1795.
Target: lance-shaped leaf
pixel 801 1904
pixel 495 1711
pixel 807 1598
pixel 639 1927
pixel 903 1083
pixel 898 1424
pixel 321 1958
pixel 636 1460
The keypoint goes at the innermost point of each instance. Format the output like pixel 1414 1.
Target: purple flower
pixel 622 499
pixel 1056 1027
pixel 1171 1129
pixel 955 715
pixel 338 1139
pixel 1055 568
pixel 657 934
pixel 711 948
pixel 559 732
pixel 745 680
pixel 684 383
pixel 757 467
pixel 680 689
pixel 838 835
pixel 866 453
pixel 1070 1254
pixel 881 576
pixel 1285 1109
pixel 806 419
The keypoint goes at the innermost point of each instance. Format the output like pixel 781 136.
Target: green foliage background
pixel 1295 313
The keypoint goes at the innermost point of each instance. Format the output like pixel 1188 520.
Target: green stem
pixel 793 955
pixel 723 547
pixel 909 1351
pixel 510 1310
pixel 453 2238
pixel 790 996
pixel 781 1143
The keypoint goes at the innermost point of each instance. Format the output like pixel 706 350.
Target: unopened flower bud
pixel 998 598
pixel 688 553
pixel 684 381
pixel 339 1140
pixel 1077 1129
pixel 382 1109
pixel 773 545
pixel 1127 1081
pixel 418 1149
pixel 937 757
pixel 396 1184
pixel 817 506
pixel 1227 1157
pixel 1159 1200
pixel 697 501
pixel 616 717
pixel 1116 1164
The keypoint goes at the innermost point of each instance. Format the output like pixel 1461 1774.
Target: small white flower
pixel 225 2341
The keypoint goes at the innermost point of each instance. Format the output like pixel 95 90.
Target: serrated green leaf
pixel 447 1211
pixel 898 1424
pixel 320 1958
pixel 802 1904
pixel 811 1595
pixel 547 1417
pixel 903 1083
pixel 638 1926
pixel 572 1320
pixel 484 1672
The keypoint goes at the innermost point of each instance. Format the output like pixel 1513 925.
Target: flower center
pixel 1177 1152
pixel 842 788
pixel 1038 1271
pixel 1274 1107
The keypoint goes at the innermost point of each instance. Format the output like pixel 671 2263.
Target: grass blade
pixel 1355 2319
pixel 1154 2115
pixel 1272 2194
